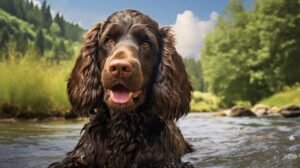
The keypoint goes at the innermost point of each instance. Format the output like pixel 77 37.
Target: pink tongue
pixel 120 96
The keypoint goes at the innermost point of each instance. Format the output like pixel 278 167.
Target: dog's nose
pixel 120 68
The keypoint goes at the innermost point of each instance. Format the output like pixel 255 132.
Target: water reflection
pixel 220 142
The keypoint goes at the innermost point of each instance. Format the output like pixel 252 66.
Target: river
pixel 220 142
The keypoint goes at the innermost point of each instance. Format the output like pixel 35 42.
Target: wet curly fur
pixel 143 132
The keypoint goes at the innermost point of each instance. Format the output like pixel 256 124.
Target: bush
pixel 204 102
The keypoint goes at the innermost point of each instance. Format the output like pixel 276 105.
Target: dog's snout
pixel 122 62
pixel 120 67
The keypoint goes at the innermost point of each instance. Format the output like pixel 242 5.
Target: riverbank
pixel 290 111
pixel 12 111
pixel 288 96
pixel 201 102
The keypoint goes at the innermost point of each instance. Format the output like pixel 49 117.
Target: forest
pixel 28 26
pixel 251 55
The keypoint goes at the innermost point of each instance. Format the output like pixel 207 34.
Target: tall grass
pixel 34 86
pixel 289 96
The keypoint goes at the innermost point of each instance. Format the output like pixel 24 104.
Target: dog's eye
pixel 145 45
pixel 110 42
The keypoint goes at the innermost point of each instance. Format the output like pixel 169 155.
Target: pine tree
pixel 40 42
pixel 4 36
pixel 60 21
pixel 59 51
pixel 22 43
pixel 47 18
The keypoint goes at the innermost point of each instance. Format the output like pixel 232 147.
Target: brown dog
pixel 131 82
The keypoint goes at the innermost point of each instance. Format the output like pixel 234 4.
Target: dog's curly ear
pixel 84 86
pixel 172 88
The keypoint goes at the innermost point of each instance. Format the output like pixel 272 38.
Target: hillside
pixel 289 96
pixel 13 25
pixel 41 17
pixel 24 26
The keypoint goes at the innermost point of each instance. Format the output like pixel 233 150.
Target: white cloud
pixel 190 32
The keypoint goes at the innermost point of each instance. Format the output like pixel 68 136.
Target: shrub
pixel 204 102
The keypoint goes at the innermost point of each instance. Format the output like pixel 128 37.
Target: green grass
pixel 204 102
pixel 34 87
pixel 289 96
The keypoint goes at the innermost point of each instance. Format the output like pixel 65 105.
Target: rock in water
pixel 290 111
pixel 261 110
pixel 240 111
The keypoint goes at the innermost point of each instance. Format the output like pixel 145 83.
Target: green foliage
pixel 252 54
pixel 40 42
pixel 289 96
pixel 41 17
pixel 34 86
pixel 47 17
pixel 25 25
pixel 193 69
pixel 55 29
pixel 204 102
pixel 14 30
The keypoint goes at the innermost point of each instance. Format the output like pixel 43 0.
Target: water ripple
pixel 220 142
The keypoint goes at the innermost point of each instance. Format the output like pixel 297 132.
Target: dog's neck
pixel 110 119
pixel 123 134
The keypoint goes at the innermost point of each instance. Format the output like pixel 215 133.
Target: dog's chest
pixel 125 138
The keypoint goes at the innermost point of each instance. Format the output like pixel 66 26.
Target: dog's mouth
pixel 121 95
pixel 119 98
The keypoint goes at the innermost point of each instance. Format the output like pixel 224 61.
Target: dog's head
pixel 126 62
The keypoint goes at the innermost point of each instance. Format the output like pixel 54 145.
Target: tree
pixel 280 23
pixel 55 29
pixel 21 43
pixel 4 36
pixel 23 24
pixel 47 18
pixel 39 42
pixel 3 43
pixel 223 51
pixel 193 69
pixel 59 51
pixel 252 54
pixel 60 21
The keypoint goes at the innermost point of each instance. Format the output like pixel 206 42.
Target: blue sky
pixel 88 12
pixel 191 20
